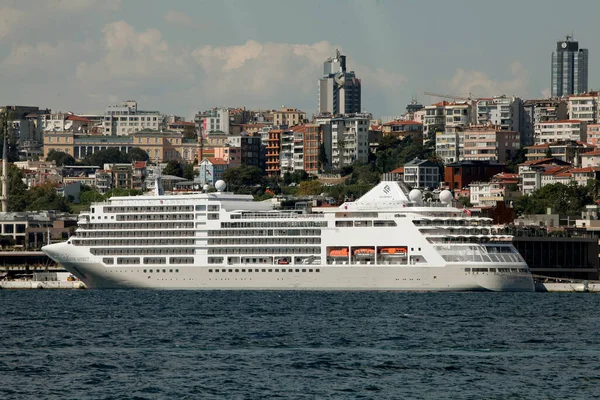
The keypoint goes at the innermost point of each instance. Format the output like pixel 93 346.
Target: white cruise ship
pixel 386 240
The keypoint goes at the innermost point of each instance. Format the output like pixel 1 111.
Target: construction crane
pixel 448 96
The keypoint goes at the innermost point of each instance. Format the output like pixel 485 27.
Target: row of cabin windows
pixel 147 225
pixel 159 251
pixel 284 240
pixel 155 217
pixel 275 224
pixel 265 270
pixel 158 270
pixel 268 250
pixel 349 224
pixel 150 260
pixel 120 233
pixel 119 209
pixel 133 242
pixel 266 232
pixel 499 270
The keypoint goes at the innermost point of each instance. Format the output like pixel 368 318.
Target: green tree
pixel 60 158
pixel 562 199
pixel 244 179
pixel 188 172
pixel 173 168
pixel 137 154
pixel 322 158
pixel 519 158
pixel 45 197
pixel 108 156
pixel 308 188
pixel 17 190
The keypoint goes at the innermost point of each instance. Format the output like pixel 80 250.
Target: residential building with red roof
pixel 593 134
pixel 531 172
pixel 591 159
pixel 403 129
pixel 211 170
pixel 568 150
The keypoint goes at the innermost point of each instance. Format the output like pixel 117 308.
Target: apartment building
pixel 568 150
pixel 273 144
pixel 490 143
pixel 402 129
pixel 422 174
pixel 554 131
pixel 593 134
pixel 288 117
pixel 450 140
pixel 538 111
pixel 500 111
pixel 531 172
pixel 125 119
pixel 583 107
pixel 349 140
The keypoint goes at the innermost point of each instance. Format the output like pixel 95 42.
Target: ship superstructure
pixel 389 239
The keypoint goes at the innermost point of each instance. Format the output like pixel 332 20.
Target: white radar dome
pixel 415 195
pixel 206 187
pixel 220 185
pixel 446 196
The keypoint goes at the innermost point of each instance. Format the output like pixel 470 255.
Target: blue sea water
pixel 309 345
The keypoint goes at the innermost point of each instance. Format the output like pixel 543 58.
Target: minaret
pixel 4 197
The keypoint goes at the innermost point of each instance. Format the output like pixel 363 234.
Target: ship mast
pixel 4 197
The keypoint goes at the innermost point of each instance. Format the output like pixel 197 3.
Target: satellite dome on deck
pixel 446 196
pixel 220 185
pixel 206 187
pixel 415 195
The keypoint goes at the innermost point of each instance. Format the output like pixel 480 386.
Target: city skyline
pixel 185 56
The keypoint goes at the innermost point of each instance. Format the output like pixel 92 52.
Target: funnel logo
pixel 386 189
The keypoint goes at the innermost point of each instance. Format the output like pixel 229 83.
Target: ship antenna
pixel 158 189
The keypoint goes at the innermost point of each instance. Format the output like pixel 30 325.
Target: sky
pixel 182 56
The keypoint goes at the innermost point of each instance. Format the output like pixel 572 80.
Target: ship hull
pixel 289 277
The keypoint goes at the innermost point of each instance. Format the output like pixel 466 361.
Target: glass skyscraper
pixel 569 68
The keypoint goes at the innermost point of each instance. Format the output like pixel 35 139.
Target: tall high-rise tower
pixel 339 90
pixel 569 68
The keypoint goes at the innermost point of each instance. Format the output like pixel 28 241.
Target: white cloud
pixel 276 73
pixel 133 56
pixel 84 5
pixel 480 84
pixel 9 19
pixel 178 18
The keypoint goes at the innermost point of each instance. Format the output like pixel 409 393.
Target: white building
pixel 449 144
pixel 349 140
pixel 584 107
pixel 590 159
pixel 125 119
pixel 555 131
pixel 215 120
pixel 501 111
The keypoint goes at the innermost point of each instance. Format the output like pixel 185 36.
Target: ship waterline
pixel 386 240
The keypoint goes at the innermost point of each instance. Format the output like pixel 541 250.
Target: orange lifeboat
pixel 339 252
pixel 364 252
pixel 401 251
